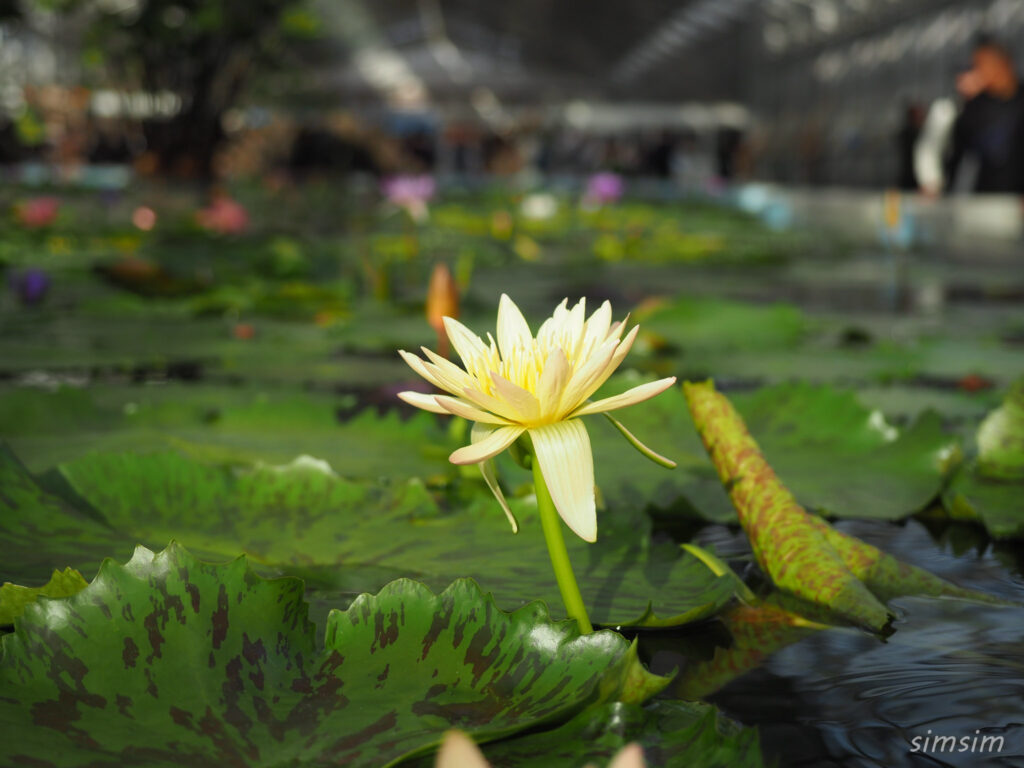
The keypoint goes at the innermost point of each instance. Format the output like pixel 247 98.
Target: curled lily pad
pixel 167 661
pixel 801 553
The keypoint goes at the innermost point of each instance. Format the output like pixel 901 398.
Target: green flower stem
pixel 552 525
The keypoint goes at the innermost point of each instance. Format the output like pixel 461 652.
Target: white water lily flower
pixel 539 386
pixel 458 751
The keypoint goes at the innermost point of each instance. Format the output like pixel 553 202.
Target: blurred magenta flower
pixel 30 285
pixel 37 212
pixel 224 216
pixel 604 189
pixel 410 192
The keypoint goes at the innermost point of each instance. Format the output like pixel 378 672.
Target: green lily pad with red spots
pixel 304 520
pixel 169 661
pixel 343 537
pixel 801 553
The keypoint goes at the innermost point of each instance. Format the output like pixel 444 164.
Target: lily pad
pixel 40 531
pixel 696 323
pixel 168 661
pixel 990 488
pixel 345 536
pixel 238 425
pixel 801 553
pixel 14 598
pixel 838 457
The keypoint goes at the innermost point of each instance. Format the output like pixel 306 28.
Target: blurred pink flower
pixel 604 188
pixel 144 218
pixel 410 192
pixel 37 212
pixel 224 216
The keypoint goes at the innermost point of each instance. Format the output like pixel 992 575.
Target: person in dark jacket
pixel 990 127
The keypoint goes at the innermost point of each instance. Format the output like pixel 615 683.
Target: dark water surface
pixel 951 668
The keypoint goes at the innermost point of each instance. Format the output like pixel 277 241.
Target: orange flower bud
pixel 442 297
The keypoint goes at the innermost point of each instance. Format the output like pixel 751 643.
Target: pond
pixel 237 392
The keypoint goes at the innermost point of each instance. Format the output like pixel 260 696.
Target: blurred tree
pixel 203 51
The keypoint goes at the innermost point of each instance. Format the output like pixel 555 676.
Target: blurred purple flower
pixel 604 188
pixel 410 192
pixel 30 285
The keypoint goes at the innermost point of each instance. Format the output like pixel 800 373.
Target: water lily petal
pixel 525 404
pixel 487 469
pixel 617 328
pixel 552 327
pixel 450 369
pixel 421 400
pixel 630 756
pixel 630 397
pixel 458 751
pixel 620 353
pixel 566 460
pixel 445 381
pixel 597 326
pixel 574 393
pixel 553 379
pixel 513 330
pixel 470 347
pixel 491 404
pixel 573 328
pixel 454 406
pixel 489 447
pixel 421 368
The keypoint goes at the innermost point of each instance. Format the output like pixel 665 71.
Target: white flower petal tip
pixel 425 402
pixel 630 397
pixel 458 751
pixel 567 463
pixel 487 448
pixel 630 756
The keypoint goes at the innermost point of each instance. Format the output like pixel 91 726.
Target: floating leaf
pixel 990 488
pixel 239 425
pixel 168 661
pixel 802 554
pixel 345 537
pixel 794 554
pixel 698 323
pixel 40 531
pixel 1001 439
pixel 837 457
pixel 14 598
pixel 887 577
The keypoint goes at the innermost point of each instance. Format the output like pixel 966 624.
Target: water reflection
pixel 845 698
